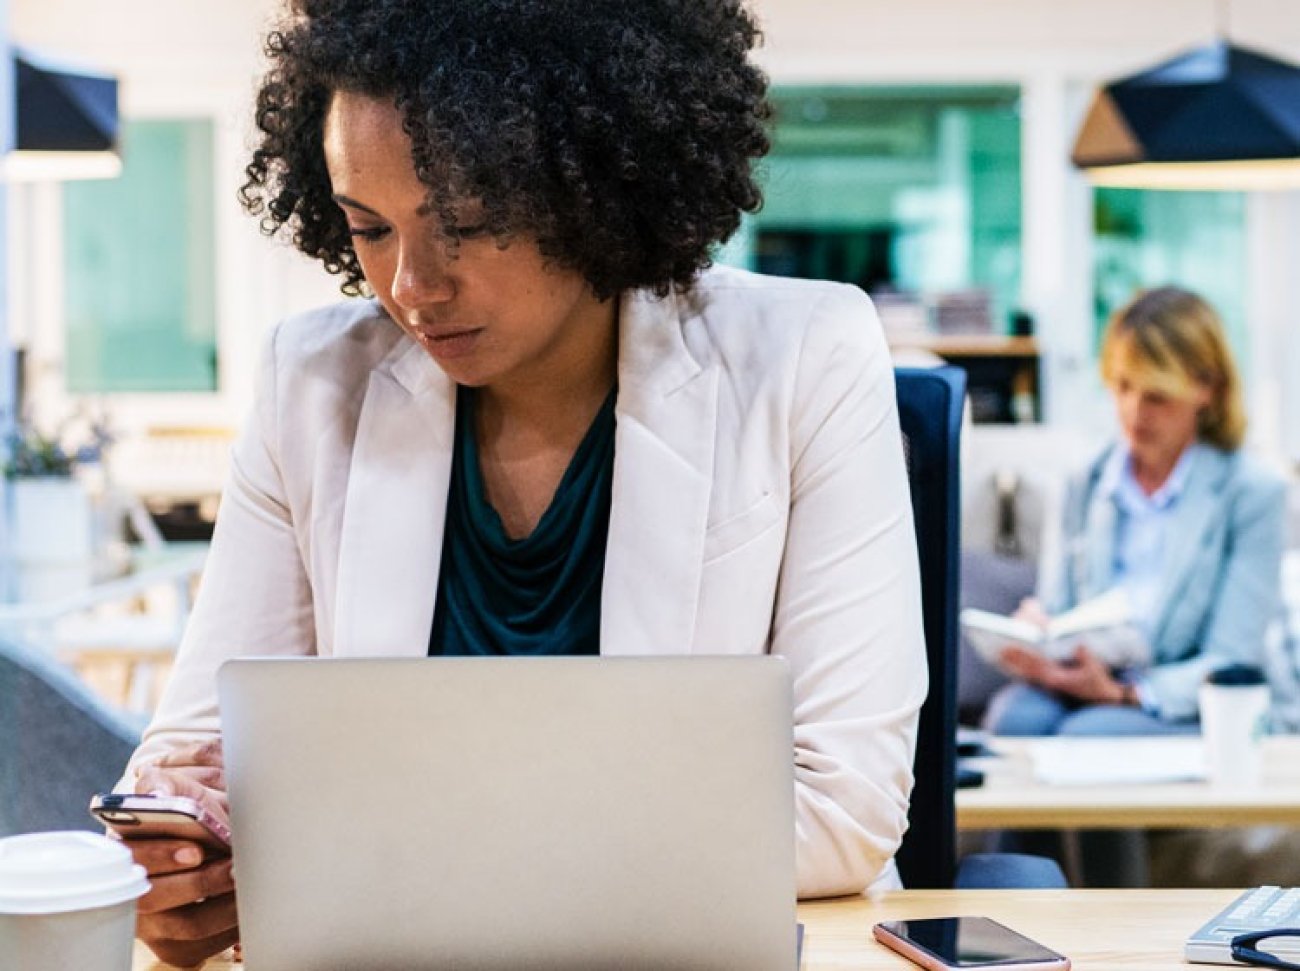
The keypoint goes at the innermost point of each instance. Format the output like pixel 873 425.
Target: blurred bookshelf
pixel 1002 372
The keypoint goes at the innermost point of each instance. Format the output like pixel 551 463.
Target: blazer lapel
pixel 1193 516
pixel 1099 546
pixel 663 470
pixel 391 542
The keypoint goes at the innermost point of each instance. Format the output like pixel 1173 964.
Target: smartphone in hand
pixel 966 944
pixel 149 816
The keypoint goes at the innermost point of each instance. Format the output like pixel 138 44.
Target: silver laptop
pixel 492 813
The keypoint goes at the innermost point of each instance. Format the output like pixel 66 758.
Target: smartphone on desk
pixel 965 944
pixel 149 816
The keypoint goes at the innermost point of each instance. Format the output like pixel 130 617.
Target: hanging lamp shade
pixel 65 123
pixel 1218 117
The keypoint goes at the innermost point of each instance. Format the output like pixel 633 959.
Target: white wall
pixel 188 56
pixel 1006 39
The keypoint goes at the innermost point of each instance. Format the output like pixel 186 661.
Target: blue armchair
pixel 59 744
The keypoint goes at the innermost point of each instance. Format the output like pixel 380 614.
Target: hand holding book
pixel 1103 625
pixel 1082 677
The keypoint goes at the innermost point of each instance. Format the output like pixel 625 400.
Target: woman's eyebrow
pixel 424 211
pixel 351 203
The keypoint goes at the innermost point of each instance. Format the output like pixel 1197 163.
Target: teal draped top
pixel 536 595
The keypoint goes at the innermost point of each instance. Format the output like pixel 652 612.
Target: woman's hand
pixel 1082 677
pixel 1031 611
pixel 188 914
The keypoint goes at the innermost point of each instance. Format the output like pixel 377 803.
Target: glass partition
pixel 1196 240
pixel 139 266
pixel 912 193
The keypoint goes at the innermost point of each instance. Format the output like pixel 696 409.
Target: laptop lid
pixel 491 813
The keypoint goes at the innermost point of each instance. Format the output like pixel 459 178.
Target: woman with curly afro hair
pixel 548 425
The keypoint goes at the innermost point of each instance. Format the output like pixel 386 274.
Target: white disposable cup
pixel 67 902
pixel 1233 725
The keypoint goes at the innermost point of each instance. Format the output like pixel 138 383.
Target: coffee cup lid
pixel 1237 676
pixel 49 873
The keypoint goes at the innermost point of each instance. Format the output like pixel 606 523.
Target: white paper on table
pixel 1108 761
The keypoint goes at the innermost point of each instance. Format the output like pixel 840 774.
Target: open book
pixel 1103 625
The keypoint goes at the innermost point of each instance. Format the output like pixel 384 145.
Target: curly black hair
pixel 620 134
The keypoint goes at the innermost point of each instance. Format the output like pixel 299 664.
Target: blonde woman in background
pixel 1174 514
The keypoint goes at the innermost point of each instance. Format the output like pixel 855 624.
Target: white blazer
pixel 760 504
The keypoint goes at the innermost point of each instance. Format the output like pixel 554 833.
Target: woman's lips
pixel 447 345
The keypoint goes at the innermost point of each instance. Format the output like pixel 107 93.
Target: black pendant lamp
pixel 1218 117
pixel 65 123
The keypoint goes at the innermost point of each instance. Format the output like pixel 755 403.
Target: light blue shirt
pixel 1142 530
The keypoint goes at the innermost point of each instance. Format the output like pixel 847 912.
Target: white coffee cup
pixel 1234 711
pixel 67 902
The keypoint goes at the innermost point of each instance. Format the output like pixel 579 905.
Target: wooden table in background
pixel 1012 799
pixel 1099 930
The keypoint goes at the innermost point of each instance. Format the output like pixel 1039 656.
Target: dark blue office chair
pixel 59 744
pixel 930 411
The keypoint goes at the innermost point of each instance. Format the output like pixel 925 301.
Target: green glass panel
pixel 139 266
pixel 910 189
pixel 1195 240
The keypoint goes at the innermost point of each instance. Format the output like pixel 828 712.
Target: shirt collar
pixel 1118 483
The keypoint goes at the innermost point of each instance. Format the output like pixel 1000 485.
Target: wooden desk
pixel 1012 799
pixel 1099 930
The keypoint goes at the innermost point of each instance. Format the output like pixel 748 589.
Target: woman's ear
pixel 1204 394
pixel 1209 407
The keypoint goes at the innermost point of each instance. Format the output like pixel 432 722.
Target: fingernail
pixel 188 856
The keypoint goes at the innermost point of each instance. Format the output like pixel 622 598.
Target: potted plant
pixel 49 512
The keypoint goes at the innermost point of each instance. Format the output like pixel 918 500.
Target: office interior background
pixel 921 152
